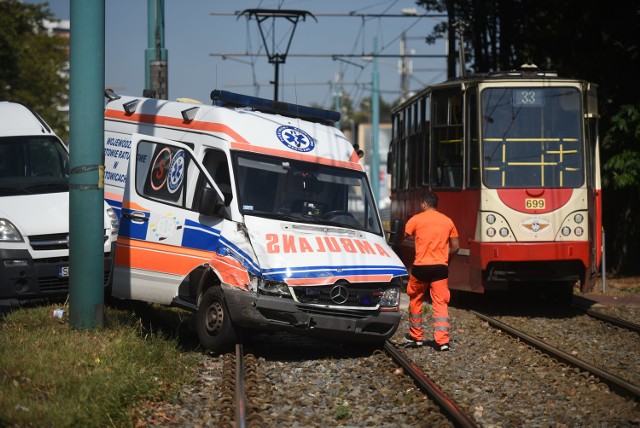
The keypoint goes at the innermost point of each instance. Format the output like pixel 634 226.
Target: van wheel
pixel 213 323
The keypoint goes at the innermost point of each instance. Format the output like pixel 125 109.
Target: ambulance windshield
pixel 304 192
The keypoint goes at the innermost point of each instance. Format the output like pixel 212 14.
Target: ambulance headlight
pixel 8 232
pixel 272 288
pixel 390 297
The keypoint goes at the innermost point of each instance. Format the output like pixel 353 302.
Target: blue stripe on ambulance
pixel 202 237
pixel 134 230
pixel 116 205
pixel 280 274
pixel 199 236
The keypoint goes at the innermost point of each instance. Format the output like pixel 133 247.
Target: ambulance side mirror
pixel 210 203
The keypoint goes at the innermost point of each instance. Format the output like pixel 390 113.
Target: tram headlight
pixel 491 232
pixel 566 231
pixel 504 232
pixel 578 218
pixel 491 219
pixel 578 231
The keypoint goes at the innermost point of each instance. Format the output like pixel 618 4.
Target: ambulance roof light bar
pixel 225 98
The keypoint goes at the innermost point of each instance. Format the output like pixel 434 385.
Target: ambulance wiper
pixel 270 214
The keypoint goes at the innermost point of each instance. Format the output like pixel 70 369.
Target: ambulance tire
pixel 213 323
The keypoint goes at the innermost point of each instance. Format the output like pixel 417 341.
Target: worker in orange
pixel 436 243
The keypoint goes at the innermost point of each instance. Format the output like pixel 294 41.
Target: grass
pixel 53 375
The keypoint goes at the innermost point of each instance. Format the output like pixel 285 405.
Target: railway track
pixel 613 320
pixel 241 400
pixel 616 383
pixel 457 416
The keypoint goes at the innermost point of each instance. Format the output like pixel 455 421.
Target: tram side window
pixel 473 140
pixel 447 148
pixel 425 122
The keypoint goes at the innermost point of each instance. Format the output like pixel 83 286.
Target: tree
pixel 31 62
pixel 594 40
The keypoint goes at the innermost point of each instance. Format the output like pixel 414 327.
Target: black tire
pixel 213 323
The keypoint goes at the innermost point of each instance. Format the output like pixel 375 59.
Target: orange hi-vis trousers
pixel 440 295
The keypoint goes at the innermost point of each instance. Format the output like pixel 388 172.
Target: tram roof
pixel 525 72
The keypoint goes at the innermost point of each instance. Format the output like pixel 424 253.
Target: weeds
pixel 53 375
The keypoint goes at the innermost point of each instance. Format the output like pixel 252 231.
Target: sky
pixel 197 32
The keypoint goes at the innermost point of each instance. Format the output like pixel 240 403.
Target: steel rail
pixel 614 382
pixel 616 321
pixel 241 401
pixel 457 416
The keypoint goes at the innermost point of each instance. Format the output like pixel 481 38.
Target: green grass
pixel 53 375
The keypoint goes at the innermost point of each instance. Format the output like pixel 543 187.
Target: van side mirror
pixel 210 203
pixel 396 234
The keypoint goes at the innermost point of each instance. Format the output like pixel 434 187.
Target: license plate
pixel 63 271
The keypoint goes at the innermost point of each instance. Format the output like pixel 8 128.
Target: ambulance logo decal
pixel 535 226
pixel 165 227
pixel 295 138
pixel 176 172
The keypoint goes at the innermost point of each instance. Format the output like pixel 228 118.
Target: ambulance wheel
pixel 213 323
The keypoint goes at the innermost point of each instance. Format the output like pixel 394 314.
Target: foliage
pixel 31 62
pixel 51 375
pixel 622 168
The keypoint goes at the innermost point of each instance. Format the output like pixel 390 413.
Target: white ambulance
pixel 256 215
pixel 34 208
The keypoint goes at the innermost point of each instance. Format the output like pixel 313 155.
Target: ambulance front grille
pixel 365 296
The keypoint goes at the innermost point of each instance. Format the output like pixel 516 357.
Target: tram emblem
pixel 535 226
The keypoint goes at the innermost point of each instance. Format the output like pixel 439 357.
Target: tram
pixel 513 158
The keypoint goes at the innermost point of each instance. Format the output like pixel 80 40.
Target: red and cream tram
pixel 513 157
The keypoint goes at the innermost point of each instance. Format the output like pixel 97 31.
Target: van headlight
pixel 115 224
pixel 390 297
pixel 8 232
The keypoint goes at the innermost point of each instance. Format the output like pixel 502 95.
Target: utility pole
pixel 157 64
pixel 404 67
pixel 375 121
pixel 86 172
pixel 337 94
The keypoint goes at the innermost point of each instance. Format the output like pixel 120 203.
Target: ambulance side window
pixel 216 164
pixel 163 173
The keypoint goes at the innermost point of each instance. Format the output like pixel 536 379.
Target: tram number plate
pixel 534 204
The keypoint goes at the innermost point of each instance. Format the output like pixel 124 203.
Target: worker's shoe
pixel 444 347
pixel 410 341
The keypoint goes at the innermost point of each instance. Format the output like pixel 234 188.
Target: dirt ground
pixel 623 286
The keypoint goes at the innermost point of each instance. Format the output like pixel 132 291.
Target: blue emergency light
pixel 230 99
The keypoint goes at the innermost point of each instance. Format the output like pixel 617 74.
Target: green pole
pixel 86 191
pixel 375 120
pixel 155 56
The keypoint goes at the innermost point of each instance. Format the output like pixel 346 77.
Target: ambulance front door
pixel 162 235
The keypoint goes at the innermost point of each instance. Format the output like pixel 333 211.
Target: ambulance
pixel 34 209
pixel 255 215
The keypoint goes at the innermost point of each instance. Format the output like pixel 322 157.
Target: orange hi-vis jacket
pixel 432 231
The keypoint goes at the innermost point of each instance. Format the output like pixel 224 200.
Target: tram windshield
pixel 305 192
pixel 532 137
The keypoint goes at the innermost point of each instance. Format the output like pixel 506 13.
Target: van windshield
pixel 304 192
pixel 33 165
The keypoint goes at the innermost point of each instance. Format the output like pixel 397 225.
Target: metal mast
pixel 276 58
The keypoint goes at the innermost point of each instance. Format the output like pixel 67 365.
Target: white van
pixel 254 214
pixel 34 208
